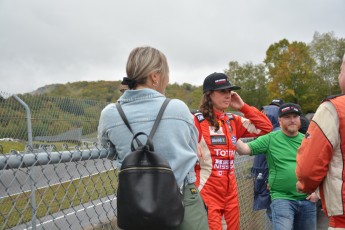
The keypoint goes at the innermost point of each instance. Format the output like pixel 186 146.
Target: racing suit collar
pixel 220 115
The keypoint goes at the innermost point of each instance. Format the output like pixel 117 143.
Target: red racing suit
pixel 321 158
pixel 215 173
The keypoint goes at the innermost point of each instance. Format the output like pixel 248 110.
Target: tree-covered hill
pixel 109 91
pixel 94 90
pixel 59 109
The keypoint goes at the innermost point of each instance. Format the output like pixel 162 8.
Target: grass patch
pixel 16 209
pixel 7 146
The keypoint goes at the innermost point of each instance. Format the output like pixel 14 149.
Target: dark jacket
pixel 262 198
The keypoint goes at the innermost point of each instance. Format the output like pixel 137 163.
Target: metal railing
pixel 49 190
pixel 65 180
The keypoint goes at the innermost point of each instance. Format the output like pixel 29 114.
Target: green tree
pixel 327 51
pixel 252 80
pixel 186 92
pixel 196 98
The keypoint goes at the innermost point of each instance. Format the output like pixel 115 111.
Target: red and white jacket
pixel 321 156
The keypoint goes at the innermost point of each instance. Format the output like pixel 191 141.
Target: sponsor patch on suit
pixel 218 140
pixel 199 116
pixel 217 137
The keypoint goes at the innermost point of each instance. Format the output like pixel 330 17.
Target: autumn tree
pixel 290 74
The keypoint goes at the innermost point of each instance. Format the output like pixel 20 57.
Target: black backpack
pixel 148 196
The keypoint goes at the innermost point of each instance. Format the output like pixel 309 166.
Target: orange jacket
pixel 321 156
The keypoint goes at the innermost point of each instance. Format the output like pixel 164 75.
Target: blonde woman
pixel 176 137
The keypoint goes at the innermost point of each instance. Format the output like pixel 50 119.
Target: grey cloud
pixel 59 41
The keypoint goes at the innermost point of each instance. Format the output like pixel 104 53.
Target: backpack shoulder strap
pixel 159 117
pixel 155 125
pixel 123 116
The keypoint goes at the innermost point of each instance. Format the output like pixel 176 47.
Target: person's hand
pixel 200 153
pixel 313 197
pixel 236 101
pixel 299 187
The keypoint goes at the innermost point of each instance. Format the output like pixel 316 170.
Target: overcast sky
pixel 44 42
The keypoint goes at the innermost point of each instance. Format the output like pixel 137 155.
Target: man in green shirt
pixel 290 209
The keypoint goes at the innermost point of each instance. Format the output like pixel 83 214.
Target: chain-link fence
pixel 53 175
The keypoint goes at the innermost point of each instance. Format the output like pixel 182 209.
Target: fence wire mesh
pixel 65 180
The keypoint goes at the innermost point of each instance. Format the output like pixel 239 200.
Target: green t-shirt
pixel 281 151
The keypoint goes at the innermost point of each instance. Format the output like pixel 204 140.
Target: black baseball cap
pixel 217 81
pixel 289 108
pixel 277 101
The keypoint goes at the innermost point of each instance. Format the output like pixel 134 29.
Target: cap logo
pixel 289 108
pixel 220 81
pixel 286 109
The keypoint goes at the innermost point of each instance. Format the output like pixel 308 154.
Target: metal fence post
pixel 33 189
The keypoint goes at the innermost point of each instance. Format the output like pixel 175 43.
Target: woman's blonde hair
pixel 143 61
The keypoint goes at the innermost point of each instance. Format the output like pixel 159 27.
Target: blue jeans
pixel 293 214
